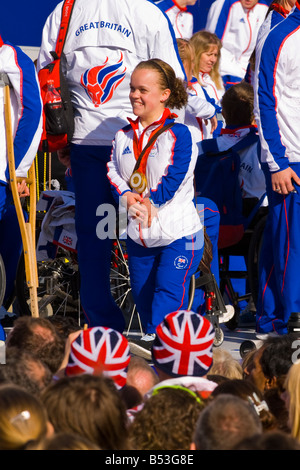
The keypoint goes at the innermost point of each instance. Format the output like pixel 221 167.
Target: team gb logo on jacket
pixel 101 81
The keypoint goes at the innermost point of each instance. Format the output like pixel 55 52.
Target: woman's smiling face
pixel 146 95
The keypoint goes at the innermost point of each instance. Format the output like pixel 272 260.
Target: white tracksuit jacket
pixel 237 28
pixel 276 16
pixel 106 40
pixel 278 97
pixel 181 19
pixel 26 110
pixel 169 173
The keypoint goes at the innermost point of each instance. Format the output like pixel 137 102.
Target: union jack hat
pixel 100 350
pixel 183 344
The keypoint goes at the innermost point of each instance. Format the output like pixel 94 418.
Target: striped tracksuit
pixel 26 116
pixel 277 84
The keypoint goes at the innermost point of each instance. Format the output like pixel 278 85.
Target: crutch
pixel 27 228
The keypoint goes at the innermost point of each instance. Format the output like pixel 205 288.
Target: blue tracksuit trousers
pixel 160 277
pixel 92 189
pixel 279 289
pixel 10 238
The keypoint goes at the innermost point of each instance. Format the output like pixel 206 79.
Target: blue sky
pixel 21 21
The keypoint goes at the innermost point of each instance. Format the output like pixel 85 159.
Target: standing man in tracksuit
pixel 105 41
pixel 26 117
pixel 236 23
pixel 277 84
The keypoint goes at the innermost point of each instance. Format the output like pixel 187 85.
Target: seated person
pixel 237 109
pixel 241 130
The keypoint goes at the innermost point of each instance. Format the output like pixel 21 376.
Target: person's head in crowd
pixel 225 365
pixel 207 47
pixel 238 105
pixel 89 406
pixel 64 325
pixel 271 362
pixel 22 418
pixel 247 361
pixel 26 370
pixel 38 336
pixel 63 441
pixel 251 394
pixel 183 345
pixel 141 375
pixel 217 379
pixel 272 440
pixel 167 419
pixel 100 350
pixel 224 422
pixel 291 397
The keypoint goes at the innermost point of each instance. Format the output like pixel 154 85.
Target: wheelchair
pixel 59 282
pixel 58 291
pixel 249 248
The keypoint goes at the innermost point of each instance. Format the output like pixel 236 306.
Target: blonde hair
pixel 225 365
pixel 202 41
pixel 292 386
pixel 22 418
pixel 187 56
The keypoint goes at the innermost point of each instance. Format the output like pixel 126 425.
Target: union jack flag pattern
pixel 100 350
pixel 183 344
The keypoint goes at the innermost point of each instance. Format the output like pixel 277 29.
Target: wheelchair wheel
pixel 2 280
pixel 219 337
pixel 228 292
pixel 58 290
pixel 120 283
pixel 59 285
pixel 254 256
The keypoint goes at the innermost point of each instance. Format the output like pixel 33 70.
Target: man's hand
pixel 23 189
pixel 282 181
pixel 214 123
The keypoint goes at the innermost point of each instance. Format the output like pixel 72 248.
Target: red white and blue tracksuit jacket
pixel 180 18
pixel 278 96
pixel 26 110
pixel 26 121
pixel 237 28
pixel 169 173
pixel 277 84
pixel 276 16
pixel 105 42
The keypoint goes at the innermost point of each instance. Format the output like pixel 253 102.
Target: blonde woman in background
pixel 207 48
pixel 200 113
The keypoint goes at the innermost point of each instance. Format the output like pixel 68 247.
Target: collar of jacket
pixel 234 130
pixel 165 115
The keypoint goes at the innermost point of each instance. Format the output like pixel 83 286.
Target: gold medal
pixel 138 182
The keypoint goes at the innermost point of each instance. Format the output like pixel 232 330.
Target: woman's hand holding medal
pixel 140 209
